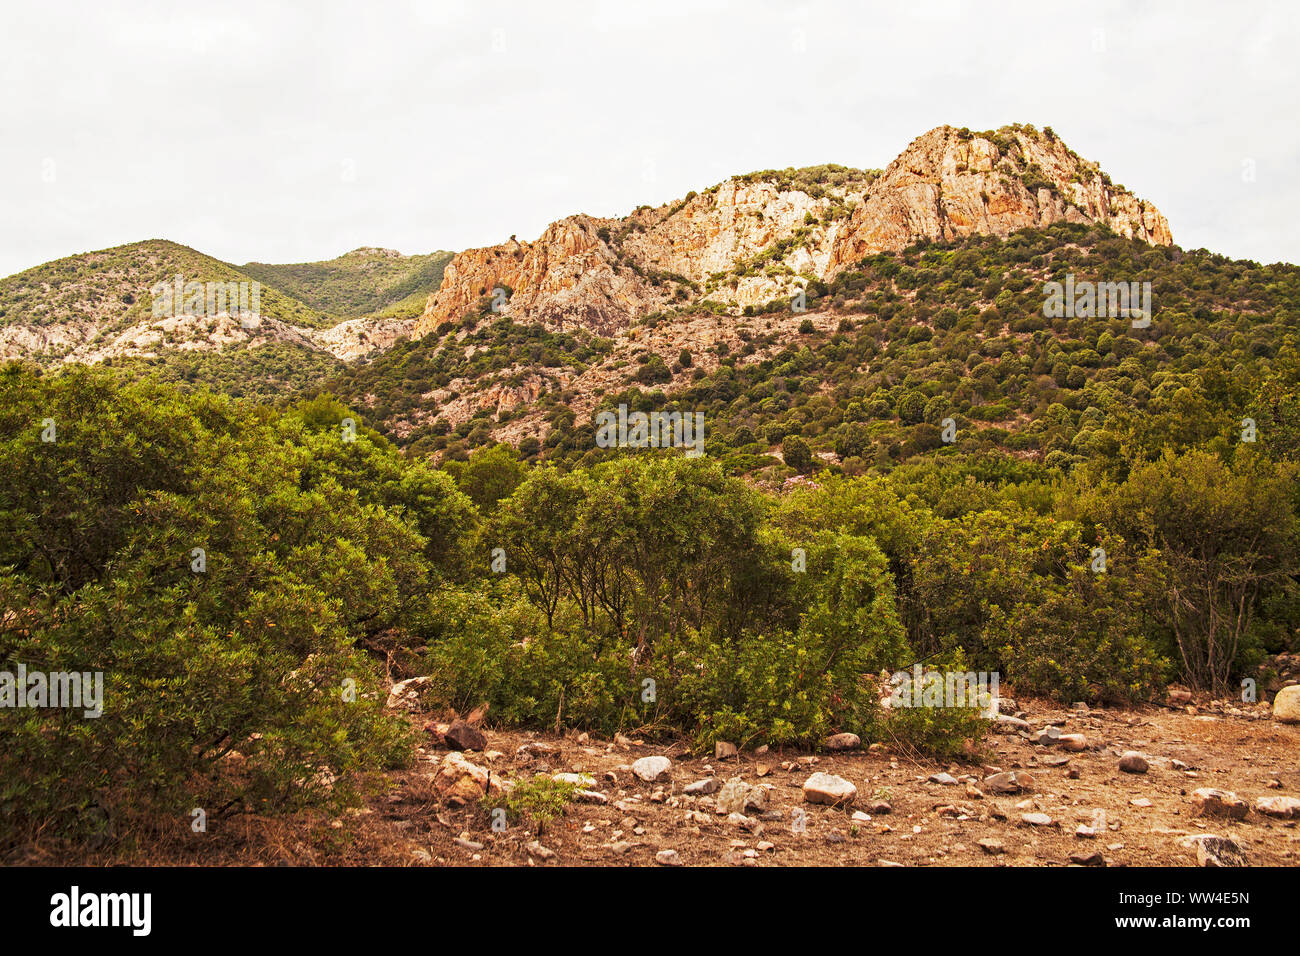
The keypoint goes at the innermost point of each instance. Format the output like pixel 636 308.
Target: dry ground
pixel 407 823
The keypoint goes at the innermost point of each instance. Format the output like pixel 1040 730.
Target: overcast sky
pixel 295 132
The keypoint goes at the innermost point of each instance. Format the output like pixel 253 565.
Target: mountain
pixel 102 306
pixel 760 237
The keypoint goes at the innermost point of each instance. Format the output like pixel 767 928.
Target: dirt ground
pixel 408 823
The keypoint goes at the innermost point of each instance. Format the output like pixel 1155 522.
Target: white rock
pixel 829 789
pixel 1286 705
pixel 651 769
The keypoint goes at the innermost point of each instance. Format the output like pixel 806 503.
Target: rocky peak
pixel 759 237
pixel 951 183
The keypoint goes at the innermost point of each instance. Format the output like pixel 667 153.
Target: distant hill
pixel 365 281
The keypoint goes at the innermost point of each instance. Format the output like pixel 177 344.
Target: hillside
pixel 365 281
pixel 885 351
pixel 99 306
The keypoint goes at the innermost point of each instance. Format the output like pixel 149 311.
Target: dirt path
pixel 927 823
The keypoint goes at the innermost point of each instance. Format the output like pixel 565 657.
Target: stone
pixel 668 858
pixel 405 695
pixel 991 846
pixel 1088 859
pixel 1284 808
pixel 460 782
pixel 463 736
pixel 1176 696
pixel 701 787
pixel 1213 802
pixel 842 742
pixel 465 844
pixel 1133 762
pixel 735 797
pixel 652 769
pixel 1286 705
pixel 1036 819
pixel 542 853
pixel 722 750
pixel 1217 851
pixel 1075 743
pixel 947 780
pixel 1009 781
pixel 829 789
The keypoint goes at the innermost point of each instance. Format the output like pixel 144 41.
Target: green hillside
pixel 362 282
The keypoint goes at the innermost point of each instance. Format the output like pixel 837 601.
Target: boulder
pixel 651 769
pixel 829 789
pixel 1213 802
pixel 1286 705
pixel 1133 762
pixel 842 742
pixel 463 736
pixel 1284 808
pixel 1011 781
pixel 722 750
pixel 1215 851
pixel 460 782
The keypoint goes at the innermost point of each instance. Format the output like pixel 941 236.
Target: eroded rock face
pixel 945 186
pixel 602 274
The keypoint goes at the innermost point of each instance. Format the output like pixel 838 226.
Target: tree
pixel 797 454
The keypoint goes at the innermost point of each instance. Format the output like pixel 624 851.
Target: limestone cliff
pixel 759 237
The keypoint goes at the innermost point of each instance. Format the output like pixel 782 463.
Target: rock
pixel 465 844
pixel 1036 819
pixel 668 858
pixel 539 851
pixel 1133 762
pixel 1010 781
pixel 1075 743
pixel 421 856
pixel 1286 705
pixel 722 750
pixel 842 742
pixel 879 807
pixel 651 769
pixel 701 787
pixel 1088 859
pixel 460 782
pixel 765 846
pixel 1085 832
pixel 1176 696
pixel 829 789
pixel 1141 802
pixel 1047 737
pixel 1217 851
pixel 1284 808
pixel 991 846
pixel 733 795
pixel 1213 802
pixel 590 796
pixel 947 780
pixel 1007 722
pixel 405 695
pixel 462 736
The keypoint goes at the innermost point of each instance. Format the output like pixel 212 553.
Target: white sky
pixel 286 133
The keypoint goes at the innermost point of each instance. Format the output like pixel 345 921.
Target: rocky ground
pixel 1058 787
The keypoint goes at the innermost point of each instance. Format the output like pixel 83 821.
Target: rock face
pixel 1286 705
pixel 602 274
pixel 949 184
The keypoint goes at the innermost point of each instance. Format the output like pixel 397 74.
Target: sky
pixel 274 132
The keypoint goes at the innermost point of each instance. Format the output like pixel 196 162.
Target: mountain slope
pixel 362 282
pixel 100 305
